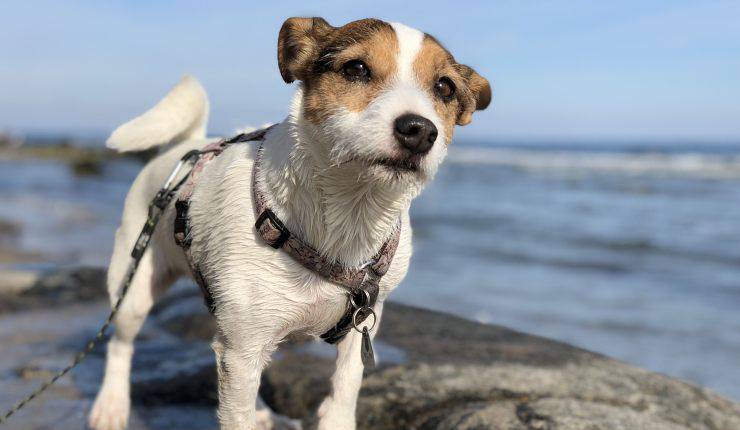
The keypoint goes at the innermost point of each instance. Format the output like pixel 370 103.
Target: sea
pixel 631 250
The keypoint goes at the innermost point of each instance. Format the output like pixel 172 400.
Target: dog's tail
pixel 181 115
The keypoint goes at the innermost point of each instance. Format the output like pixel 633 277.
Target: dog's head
pixel 384 98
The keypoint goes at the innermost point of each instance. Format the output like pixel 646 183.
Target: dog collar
pixel 361 283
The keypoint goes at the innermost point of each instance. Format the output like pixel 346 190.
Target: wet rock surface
pixel 8 231
pixel 9 254
pixel 23 290
pixel 449 373
pixel 15 282
pixel 436 371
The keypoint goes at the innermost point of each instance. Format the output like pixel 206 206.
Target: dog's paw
pixel 110 410
pixel 335 417
pixel 268 420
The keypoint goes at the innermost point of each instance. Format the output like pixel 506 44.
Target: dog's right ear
pixel 298 46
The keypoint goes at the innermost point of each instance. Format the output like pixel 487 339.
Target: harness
pixel 361 283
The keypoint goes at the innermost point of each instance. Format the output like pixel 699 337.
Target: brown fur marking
pixel 433 62
pixel 311 50
pixel 325 89
pixel 473 91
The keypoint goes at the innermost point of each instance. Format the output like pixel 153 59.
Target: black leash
pixel 156 207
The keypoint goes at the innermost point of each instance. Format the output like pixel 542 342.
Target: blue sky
pixel 584 70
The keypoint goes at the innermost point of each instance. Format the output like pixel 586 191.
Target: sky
pixel 560 70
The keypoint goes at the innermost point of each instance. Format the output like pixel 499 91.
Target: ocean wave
pixel 693 164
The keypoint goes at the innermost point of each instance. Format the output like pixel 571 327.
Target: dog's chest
pixel 250 280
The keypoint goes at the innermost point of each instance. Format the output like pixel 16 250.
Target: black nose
pixel 415 133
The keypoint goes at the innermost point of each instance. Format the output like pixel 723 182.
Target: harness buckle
pixel 276 224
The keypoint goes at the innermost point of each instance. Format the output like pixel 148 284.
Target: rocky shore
pixel 436 371
pixel 83 158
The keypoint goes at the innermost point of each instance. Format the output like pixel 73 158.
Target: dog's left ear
pixel 298 45
pixel 477 96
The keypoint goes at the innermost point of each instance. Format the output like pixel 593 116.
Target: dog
pixel 368 127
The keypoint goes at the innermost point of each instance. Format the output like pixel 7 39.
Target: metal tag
pixel 366 351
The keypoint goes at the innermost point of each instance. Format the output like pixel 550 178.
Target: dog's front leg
pixel 337 411
pixel 239 373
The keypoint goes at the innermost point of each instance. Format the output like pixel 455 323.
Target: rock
pixel 8 140
pixel 15 281
pixel 58 288
pixel 8 230
pixel 174 374
pixel 70 285
pixel 84 157
pixel 91 166
pixel 9 255
pixel 436 371
pixel 36 344
pixel 184 313
pixel 452 374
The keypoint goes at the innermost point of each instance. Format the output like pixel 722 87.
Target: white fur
pixel 181 115
pixel 409 96
pixel 409 45
pixel 321 185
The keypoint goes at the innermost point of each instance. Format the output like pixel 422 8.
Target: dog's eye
pixel 444 88
pixel 356 70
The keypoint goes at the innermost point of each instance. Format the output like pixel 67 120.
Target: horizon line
pixel 100 135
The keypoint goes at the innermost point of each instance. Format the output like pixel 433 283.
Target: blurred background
pixel 596 202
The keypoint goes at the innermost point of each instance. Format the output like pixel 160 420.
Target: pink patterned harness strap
pixel 361 283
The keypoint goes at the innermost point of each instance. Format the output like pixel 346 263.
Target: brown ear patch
pixel 472 91
pixel 480 91
pixel 299 42
pixel 326 90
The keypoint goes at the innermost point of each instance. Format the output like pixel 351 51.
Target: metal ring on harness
pixel 357 312
pixel 359 305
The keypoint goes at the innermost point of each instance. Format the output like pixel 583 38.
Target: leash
pixel 156 207
pixel 362 284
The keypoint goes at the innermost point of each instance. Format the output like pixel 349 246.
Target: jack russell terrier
pixel 306 232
